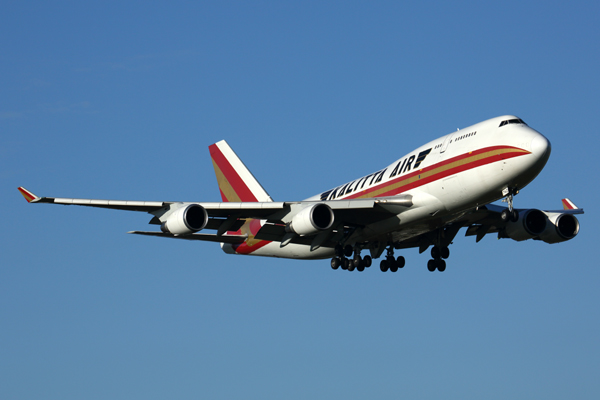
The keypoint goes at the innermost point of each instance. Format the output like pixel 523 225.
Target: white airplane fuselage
pixel 445 178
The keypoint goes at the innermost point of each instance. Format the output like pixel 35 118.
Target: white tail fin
pixel 236 182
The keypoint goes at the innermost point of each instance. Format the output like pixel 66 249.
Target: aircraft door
pixel 446 142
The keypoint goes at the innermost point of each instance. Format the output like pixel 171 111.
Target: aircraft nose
pixel 540 146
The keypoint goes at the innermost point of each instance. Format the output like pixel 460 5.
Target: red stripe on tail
pixel 231 176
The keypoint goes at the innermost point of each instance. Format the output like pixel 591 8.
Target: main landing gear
pixel 438 255
pixel 348 258
pixel 391 263
pixel 357 262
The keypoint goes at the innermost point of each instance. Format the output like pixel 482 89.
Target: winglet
pixel 28 195
pixel 569 205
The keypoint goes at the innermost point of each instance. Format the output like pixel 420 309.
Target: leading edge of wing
pixel 128 205
pixel 216 209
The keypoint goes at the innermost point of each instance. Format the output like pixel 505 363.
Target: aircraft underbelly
pixel 292 250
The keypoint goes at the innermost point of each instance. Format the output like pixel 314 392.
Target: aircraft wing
pixel 259 210
pixel 488 219
pixel 557 226
pixel 230 216
pixel 217 209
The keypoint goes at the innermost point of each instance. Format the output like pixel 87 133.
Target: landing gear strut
pixel 510 214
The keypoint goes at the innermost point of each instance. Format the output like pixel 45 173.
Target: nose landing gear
pixel 510 214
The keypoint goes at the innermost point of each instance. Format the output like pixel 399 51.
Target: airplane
pixel 420 201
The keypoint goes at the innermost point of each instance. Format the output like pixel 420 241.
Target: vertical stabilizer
pixel 236 182
pixel 569 205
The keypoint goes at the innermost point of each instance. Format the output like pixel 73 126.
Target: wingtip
pixel 27 194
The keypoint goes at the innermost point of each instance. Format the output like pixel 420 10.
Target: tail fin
pixel 236 182
pixel 569 205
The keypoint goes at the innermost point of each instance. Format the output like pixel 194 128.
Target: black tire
pixel 441 265
pixel 431 265
pixel 348 250
pixel 368 261
pixel 360 268
pixel 351 266
pixel 335 263
pixel 400 261
pixel 394 267
pixel 514 216
pixel 344 263
pixel 445 253
pixel 505 215
pixel 358 262
pixel 435 252
pixel 383 266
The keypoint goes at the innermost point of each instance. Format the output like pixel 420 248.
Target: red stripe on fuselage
pixel 439 171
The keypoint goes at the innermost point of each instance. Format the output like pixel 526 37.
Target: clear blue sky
pixel 120 100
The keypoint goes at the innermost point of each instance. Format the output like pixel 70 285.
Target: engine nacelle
pixel 185 220
pixel 531 223
pixel 312 219
pixel 560 227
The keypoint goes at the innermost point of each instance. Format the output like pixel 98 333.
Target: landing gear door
pixel 446 143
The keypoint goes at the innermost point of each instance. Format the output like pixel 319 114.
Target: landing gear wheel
pixel 400 261
pixel 391 263
pixel 435 252
pixel 360 268
pixel 383 266
pixel 358 262
pixel 351 265
pixel 335 263
pixel 441 265
pixel 505 215
pixel 514 216
pixel 431 265
pixel 348 250
pixel 367 260
pixel 445 252
pixel 344 263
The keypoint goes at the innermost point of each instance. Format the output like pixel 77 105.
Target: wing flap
pixel 271 232
pixel 206 237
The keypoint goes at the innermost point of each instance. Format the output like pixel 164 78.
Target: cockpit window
pixel 512 121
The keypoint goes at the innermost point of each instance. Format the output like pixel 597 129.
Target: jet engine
pixel 560 227
pixel 531 223
pixel 312 219
pixel 185 220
